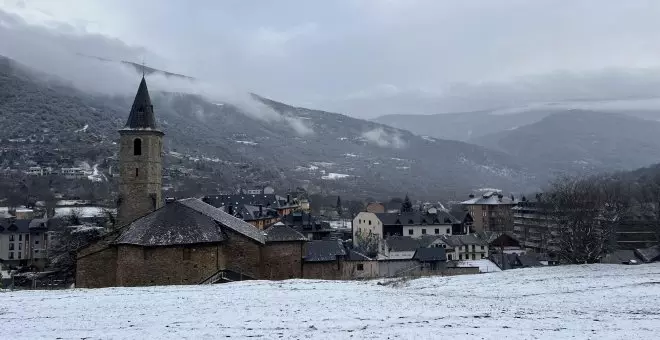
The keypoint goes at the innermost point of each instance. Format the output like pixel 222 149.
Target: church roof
pixel 142 112
pixel 183 222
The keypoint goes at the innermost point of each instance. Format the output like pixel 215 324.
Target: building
pixel 258 216
pixel 329 260
pixel 375 207
pixel 534 228
pixel 413 224
pixel 491 211
pixel 140 160
pixel 283 205
pixel 181 242
pixel 463 247
pixel 73 173
pixel 310 226
pixel 23 242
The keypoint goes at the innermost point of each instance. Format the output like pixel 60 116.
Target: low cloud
pixel 384 139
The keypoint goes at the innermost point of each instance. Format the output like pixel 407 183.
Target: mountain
pixel 464 126
pixel 229 145
pixel 579 140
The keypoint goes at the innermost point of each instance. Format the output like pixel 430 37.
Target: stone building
pixel 182 242
pixel 140 160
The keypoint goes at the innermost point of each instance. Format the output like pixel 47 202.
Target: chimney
pixel 288 198
pixel 261 210
pixel 471 195
pixel 230 210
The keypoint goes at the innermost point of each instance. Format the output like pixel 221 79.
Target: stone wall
pixel 243 255
pixel 322 270
pixel 282 260
pixel 97 269
pixel 359 270
pixel 142 266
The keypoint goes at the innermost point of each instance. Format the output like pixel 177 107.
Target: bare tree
pixel 62 253
pixel 367 243
pixel 586 213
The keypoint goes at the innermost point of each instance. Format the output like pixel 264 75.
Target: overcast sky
pixel 371 57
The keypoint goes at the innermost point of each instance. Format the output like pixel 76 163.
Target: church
pixel 182 241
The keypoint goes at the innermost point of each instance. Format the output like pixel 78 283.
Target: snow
pixel 580 302
pixel 428 138
pixel 350 155
pixel 85 212
pixel 246 142
pixel 485 266
pixel 334 176
pixel 84 128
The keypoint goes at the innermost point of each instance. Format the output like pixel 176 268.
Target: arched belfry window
pixel 137 146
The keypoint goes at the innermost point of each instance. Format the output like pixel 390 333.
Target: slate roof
pixel 463 240
pixel 188 221
pixel 529 261
pixel 357 256
pixel 430 254
pixel 402 243
pixel 619 257
pixel 142 112
pixel 490 198
pixel 649 254
pixel 266 200
pixel 39 223
pixel 17 226
pixel 324 251
pixel 225 219
pixel 416 218
pixel 281 233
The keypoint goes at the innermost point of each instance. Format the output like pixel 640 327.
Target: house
pixel 491 211
pixel 513 261
pixel 359 266
pixel 464 216
pixel 463 247
pixel 258 216
pixel 431 258
pixel 625 256
pixel 310 226
pixel 23 242
pixel 73 173
pixel 282 205
pixel 323 260
pixel 399 248
pixel 413 224
pixel 283 253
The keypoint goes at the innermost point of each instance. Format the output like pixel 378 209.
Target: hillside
pixel 290 147
pixel 577 140
pixel 464 126
pixel 580 301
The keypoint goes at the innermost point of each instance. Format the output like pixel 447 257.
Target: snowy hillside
pixel 591 301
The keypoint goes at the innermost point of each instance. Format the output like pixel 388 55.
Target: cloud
pixel 73 56
pixel 384 139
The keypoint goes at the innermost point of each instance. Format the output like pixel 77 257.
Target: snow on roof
pixel 485 265
pixel 84 212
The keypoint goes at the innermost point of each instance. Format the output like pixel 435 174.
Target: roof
pixel 188 221
pixel 142 112
pixel 430 254
pixel 649 254
pixel 323 251
pixel 619 257
pixel 402 243
pixel 357 256
pixel 490 198
pixel 416 218
pixel 39 223
pixel 225 219
pixel 529 261
pixel 17 226
pixel 463 240
pixel 265 200
pixel 281 233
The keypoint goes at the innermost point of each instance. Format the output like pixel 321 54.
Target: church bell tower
pixel 140 161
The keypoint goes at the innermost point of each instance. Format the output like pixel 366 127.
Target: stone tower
pixel 140 161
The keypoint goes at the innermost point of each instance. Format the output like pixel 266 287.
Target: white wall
pixel 365 223
pixel 443 229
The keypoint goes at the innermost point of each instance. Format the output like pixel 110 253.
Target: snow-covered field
pixel 579 302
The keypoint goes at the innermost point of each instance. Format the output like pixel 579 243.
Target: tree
pixel 367 243
pixel 62 252
pixel 338 207
pixel 586 214
pixel 407 205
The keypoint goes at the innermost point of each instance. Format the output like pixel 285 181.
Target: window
pixel 423 231
pixel 36 251
pixel 369 222
pixel 19 255
pixel 20 237
pixel 11 255
pixel 359 221
pixel 11 246
pixel 473 247
pixel 360 267
pixel 11 237
pixel 137 172
pixel 20 246
pixel 460 257
pixel 36 242
pixel 410 231
pixel 448 231
pixel 449 257
pixel 27 237
pixel 483 256
pixel 482 247
pixel 474 256
pixel 137 146
pixel 437 231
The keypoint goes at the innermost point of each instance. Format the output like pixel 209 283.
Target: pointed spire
pixel 142 112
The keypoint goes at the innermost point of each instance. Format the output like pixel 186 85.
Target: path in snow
pixel 581 302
